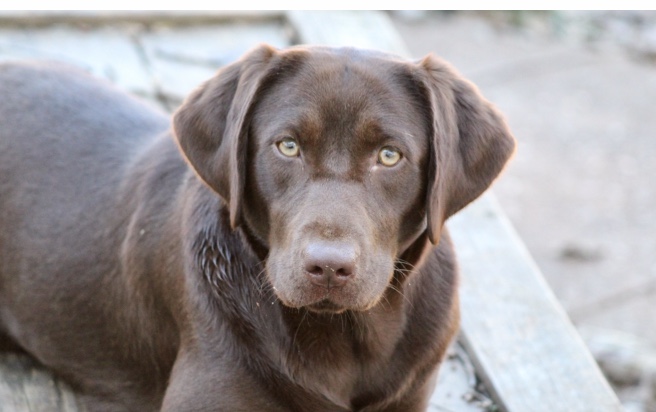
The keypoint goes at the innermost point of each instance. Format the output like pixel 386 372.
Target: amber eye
pixel 389 156
pixel 288 147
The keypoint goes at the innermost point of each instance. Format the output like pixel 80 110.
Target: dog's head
pixel 338 161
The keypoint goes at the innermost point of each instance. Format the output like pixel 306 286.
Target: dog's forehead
pixel 344 92
pixel 350 81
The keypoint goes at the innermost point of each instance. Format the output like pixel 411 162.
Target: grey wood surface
pixel 522 342
pixel 22 18
pixel 27 387
pixel 367 30
pixel 524 346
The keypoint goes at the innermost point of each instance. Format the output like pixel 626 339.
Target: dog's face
pixel 338 161
pixel 338 155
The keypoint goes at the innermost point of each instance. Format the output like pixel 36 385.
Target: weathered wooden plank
pixel 27 387
pixel 458 386
pixel 518 335
pixel 521 340
pixel 49 17
pixel 199 50
pixel 367 30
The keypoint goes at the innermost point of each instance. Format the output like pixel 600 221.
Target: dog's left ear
pixel 470 143
pixel 211 126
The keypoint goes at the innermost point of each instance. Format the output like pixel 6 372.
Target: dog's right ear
pixel 211 126
pixel 470 143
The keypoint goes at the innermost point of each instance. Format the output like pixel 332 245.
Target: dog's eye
pixel 389 156
pixel 288 147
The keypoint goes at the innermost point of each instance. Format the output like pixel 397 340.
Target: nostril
pixel 314 270
pixel 330 264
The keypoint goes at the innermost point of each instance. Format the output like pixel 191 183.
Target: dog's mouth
pixel 328 292
pixel 326 306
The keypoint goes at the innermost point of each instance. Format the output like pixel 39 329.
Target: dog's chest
pixel 338 364
pixel 335 383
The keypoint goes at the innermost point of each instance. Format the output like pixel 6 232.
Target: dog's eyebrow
pixel 301 125
pixel 372 130
pixel 377 132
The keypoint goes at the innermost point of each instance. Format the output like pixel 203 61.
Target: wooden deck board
pixel 519 337
pixel 26 386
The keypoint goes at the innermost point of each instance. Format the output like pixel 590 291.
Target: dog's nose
pixel 330 264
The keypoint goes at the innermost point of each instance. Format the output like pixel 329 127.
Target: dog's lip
pixel 326 306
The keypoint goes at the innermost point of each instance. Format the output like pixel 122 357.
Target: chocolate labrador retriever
pixel 280 248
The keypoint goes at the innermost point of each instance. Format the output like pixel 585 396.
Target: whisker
pixel 403 266
pixel 298 327
pixel 400 292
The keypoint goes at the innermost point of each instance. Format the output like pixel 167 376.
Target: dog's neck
pixel 227 261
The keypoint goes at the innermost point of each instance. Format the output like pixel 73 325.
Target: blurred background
pixel 578 90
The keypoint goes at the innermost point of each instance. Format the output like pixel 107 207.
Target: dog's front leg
pixel 210 382
pixel 415 400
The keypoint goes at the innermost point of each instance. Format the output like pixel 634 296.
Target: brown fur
pixel 178 277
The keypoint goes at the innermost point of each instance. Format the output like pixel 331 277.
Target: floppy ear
pixel 469 147
pixel 211 126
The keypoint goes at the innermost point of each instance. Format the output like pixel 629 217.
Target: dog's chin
pixel 326 306
pixel 327 303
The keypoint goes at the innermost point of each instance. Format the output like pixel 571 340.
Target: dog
pixel 279 246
